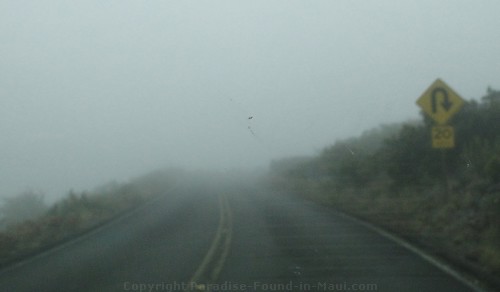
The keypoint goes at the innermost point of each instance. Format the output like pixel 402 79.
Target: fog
pixel 92 91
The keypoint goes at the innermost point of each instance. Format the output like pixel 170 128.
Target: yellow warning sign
pixel 443 137
pixel 440 102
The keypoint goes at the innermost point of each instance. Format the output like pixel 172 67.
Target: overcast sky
pixel 97 90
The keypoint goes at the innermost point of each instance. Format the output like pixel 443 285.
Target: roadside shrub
pixel 492 169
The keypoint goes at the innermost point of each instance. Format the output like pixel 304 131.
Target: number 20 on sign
pixel 443 137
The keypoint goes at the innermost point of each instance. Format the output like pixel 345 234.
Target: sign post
pixel 440 103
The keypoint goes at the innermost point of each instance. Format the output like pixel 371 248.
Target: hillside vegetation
pixel 445 200
pixel 75 214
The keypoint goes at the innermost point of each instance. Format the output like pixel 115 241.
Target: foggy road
pixel 390 109
pixel 229 237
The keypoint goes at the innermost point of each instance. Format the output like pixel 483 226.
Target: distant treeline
pixel 447 200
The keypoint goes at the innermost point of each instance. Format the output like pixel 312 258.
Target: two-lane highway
pixel 230 237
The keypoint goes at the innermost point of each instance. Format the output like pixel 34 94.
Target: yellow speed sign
pixel 443 137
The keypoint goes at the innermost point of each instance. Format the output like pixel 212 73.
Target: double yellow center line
pixel 211 266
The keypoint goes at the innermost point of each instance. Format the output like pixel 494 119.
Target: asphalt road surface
pixel 215 236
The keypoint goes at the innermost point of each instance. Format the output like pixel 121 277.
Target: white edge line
pixel 434 261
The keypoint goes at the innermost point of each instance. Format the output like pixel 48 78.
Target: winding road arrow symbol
pixel 440 102
pixel 447 104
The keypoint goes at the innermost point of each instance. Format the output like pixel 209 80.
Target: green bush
pixel 492 169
